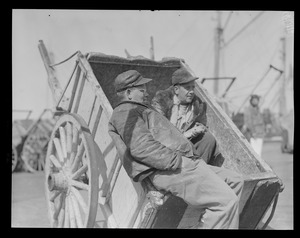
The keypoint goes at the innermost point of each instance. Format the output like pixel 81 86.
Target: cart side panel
pixel 239 155
pixel 126 200
pixel 85 106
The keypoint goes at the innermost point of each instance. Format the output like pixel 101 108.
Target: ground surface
pixel 28 206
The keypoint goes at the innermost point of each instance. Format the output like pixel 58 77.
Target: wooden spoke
pixel 14 158
pixel 54 195
pixel 61 218
pixel 79 199
pixel 79 185
pixel 55 162
pixel 67 214
pixel 72 213
pixel 59 207
pixel 63 141
pixel 78 158
pixel 58 149
pixel 29 148
pixel 80 171
pixel 69 137
pixel 42 164
pixel 76 212
pixel 75 142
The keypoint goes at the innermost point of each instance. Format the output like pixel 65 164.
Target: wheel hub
pixel 58 181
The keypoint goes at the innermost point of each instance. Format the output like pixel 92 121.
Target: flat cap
pixel 254 96
pixel 181 76
pixel 130 78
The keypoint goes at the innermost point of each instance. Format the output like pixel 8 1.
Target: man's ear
pixel 128 94
pixel 176 89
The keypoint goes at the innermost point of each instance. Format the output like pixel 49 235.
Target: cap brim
pixel 188 80
pixel 142 81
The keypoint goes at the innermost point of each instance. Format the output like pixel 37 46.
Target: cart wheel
pixel 34 151
pixel 71 174
pixel 14 158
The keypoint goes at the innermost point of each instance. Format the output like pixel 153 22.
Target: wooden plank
pixel 93 83
pixel 79 93
pixel 74 89
pixel 52 77
pixel 96 120
pixel 85 107
pixel 125 199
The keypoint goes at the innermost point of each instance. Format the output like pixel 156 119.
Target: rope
pixel 52 65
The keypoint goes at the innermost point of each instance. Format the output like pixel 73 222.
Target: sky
pixel 182 34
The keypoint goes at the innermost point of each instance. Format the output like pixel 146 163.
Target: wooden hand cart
pixel 30 142
pixel 85 182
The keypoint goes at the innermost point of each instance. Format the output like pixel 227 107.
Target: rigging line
pixel 244 28
pixel 253 59
pixel 272 86
pixel 227 20
pixel 255 87
pixel 207 48
pixel 182 35
pixel 274 101
pixel 243 88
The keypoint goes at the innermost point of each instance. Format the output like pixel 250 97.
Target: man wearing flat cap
pixel 187 112
pixel 149 146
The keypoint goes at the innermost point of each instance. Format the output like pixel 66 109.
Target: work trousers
pixel 257 144
pixel 215 190
pixel 206 147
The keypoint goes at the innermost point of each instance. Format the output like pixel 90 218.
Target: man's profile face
pixel 254 101
pixel 138 94
pixel 185 92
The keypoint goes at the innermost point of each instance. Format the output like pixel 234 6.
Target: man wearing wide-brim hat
pixel 187 112
pixel 151 147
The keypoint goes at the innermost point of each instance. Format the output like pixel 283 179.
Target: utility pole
pixel 218 35
pixel 152 48
pixel 282 99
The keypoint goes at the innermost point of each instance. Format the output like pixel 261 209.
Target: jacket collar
pixel 133 102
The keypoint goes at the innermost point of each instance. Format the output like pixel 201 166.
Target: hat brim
pixel 187 80
pixel 142 81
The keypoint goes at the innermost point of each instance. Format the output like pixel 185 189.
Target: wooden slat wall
pixel 125 196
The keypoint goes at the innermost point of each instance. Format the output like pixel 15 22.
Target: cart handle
pixel 272 212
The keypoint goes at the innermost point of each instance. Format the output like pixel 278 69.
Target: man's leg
pixel 200 186
pixel 233 179
pixel 207 148
pixel 257 144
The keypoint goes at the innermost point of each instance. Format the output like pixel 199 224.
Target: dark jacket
pixel 146 141
pixel 163 103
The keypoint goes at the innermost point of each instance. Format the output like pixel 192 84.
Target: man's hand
pixel 195 131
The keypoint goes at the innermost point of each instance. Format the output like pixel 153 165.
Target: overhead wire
pixel 243 29
pixel 182 35
pixel 227 20
pixel 252 60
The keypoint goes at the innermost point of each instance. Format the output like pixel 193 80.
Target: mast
pixel 218 35
pixel 282 99
pixel 152 48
